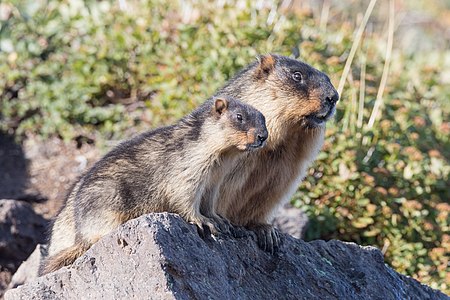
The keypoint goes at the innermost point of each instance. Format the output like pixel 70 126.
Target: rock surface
pixel 20 230
pixel 159 256
pixel 29 269
pixel 291 220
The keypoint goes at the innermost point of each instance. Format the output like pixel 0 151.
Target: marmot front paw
pixel 267 237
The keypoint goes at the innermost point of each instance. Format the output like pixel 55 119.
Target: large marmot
pixel 296 100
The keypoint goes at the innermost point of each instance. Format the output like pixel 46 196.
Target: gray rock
pixel 21 229
pixel 29 269
pixel 291 220
pixel 159 256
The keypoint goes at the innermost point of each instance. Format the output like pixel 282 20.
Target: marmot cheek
pixel 251 136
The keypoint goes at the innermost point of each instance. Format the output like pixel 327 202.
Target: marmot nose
pixel 262 137
pixel 333 98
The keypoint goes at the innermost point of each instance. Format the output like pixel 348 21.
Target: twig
pixel 324 15
pixel 350 110
pixel 384 76
pixel 358 36
pixel 362 91
pixel 354 106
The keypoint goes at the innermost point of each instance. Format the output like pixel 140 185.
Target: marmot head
pixel 244 125
pixel 299 93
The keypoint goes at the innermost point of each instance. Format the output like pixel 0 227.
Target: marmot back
pixel 176 169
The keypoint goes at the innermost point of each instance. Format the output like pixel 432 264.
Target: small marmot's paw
pixel 205 226
pixel 223 224
pixel 267 236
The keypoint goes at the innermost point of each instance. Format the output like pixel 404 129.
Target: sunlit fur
pixel 268 178
pixel 171 169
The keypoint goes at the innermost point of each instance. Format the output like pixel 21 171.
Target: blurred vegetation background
pixel 104 70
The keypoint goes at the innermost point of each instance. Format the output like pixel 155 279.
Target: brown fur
pixel 246 189
pixel 65 257
pixel 175 169
pixel 295 116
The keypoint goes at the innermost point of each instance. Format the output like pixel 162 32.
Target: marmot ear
pixel 266 63
pixel 220 105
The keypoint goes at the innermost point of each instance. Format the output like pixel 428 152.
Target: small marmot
pixel 177 169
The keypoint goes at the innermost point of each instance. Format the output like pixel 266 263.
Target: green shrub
pixel 73 66
pixel 92 68
pixel 392 194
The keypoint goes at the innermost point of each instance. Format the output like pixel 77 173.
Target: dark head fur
pixel 312 97
pixel 245 124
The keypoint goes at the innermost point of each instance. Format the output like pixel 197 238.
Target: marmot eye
pixel 297 76
pixel 239 117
